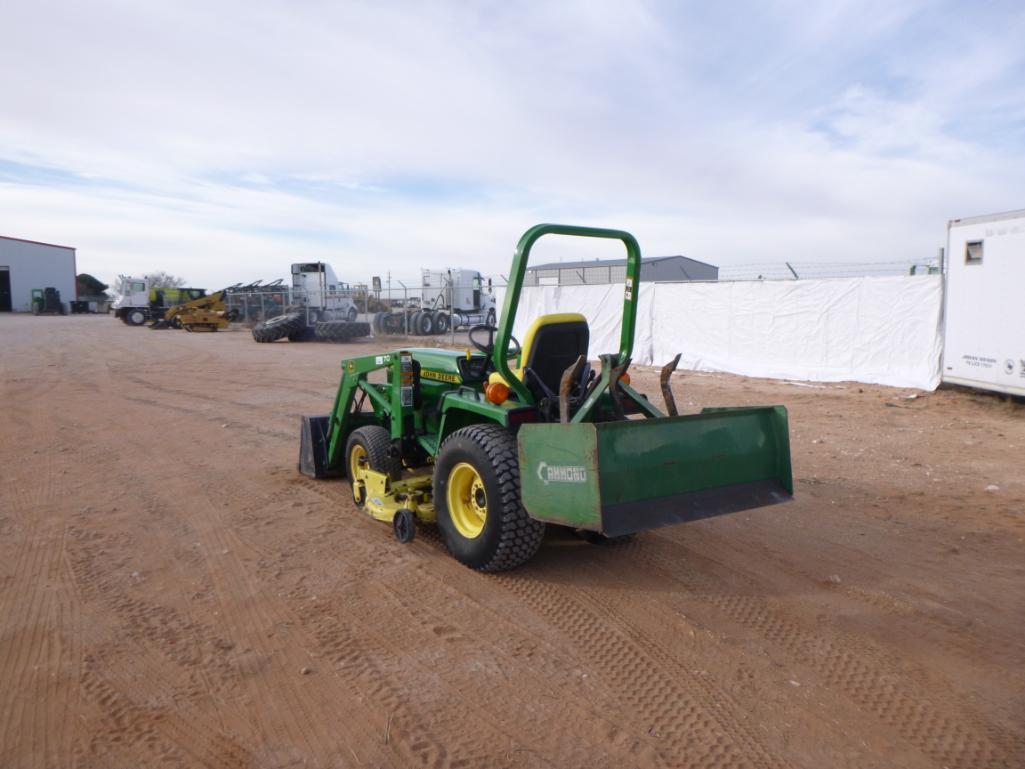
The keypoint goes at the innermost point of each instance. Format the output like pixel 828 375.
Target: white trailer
pixel 984 303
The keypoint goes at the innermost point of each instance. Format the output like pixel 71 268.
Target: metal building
pixel 29 264
pixel 654 269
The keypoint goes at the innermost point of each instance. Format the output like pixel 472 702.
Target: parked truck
pixel 455 298
pixel 319 306
pixel 321 294
pixel 139 301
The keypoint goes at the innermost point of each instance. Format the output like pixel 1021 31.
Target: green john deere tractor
pixel 493 444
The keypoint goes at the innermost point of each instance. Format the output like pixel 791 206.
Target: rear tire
pixel 372 445
pixel 279 328
pixel 414 323
pixel 507 536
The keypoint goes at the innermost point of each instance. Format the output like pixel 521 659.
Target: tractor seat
pixel 551 345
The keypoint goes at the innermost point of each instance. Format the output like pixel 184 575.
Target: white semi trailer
pixel 984 310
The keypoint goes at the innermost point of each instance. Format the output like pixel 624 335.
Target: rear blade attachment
pixel 632 475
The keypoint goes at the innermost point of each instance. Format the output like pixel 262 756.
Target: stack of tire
pixel 292 326
pixel 340 330
pixel 421 323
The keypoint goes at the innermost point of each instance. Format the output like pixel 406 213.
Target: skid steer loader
pixel 494 444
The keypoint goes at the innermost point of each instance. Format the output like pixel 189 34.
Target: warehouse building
pixel 29 264
pixel 654 269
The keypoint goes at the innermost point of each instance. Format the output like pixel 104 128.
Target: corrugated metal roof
pixel 36 242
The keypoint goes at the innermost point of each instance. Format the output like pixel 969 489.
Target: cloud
pixel 223 141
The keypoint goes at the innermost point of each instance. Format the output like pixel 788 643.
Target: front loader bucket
pixel 313 444
pixel 623 477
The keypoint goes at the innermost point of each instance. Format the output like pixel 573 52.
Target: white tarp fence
pixel 882 330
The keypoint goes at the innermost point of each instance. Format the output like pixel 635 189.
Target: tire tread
pixel 520 535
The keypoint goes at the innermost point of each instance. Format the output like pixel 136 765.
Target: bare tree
pixel 161 279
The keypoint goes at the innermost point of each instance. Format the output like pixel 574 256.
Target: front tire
pixel 135 317
pixel 477 499
pixel 369 446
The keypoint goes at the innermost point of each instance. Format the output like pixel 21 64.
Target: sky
pixel 223 140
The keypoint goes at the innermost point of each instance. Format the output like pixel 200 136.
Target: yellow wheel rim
pixel 357 463
pixel 467 500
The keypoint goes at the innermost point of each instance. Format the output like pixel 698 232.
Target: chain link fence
pixel 437 305
pixel 441 304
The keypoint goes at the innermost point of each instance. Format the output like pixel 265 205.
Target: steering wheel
pixel 488 347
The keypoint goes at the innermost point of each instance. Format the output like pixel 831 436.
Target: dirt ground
pixel 173 593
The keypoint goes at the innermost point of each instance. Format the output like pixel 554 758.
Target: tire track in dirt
pixel 943 629
pixel 383 567
pixel 32 609
pixel 235 586
pixel 939 630
pixel 168 635
pixel 232 586
pixel 124 727
pixel 154 661
pixel 864 674
pixel 509 715
pixel 690 731
pixel 157 638
pixel 585 737
pixel 695 734
pixel 355 659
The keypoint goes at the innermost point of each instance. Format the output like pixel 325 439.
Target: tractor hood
pixel 440 365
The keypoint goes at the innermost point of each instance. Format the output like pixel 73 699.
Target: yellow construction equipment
pixel 208 313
